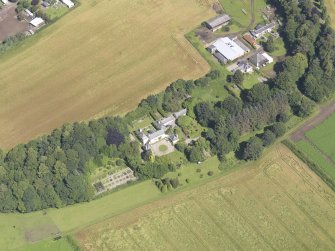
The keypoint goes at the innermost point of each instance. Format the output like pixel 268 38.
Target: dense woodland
pixel 52 171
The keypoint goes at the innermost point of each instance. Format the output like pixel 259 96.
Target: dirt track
pixel 324 113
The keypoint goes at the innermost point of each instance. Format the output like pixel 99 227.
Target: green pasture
pixel 234 9
pixel 48 245
pixel 317 157
pixel 323 136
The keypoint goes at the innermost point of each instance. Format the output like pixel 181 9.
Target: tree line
pixel 53 170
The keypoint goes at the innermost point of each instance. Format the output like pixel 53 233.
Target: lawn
pixel 276 203
pixel 57 11
pixel 250 80
pixel 48 245
pixel 15 227
pixel 101 58
pixel 142 123
pixel 234 9
pixel 196 172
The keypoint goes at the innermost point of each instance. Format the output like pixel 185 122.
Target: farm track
pixel 324 113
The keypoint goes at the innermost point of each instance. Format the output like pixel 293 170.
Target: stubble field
pixel 331 10
pixel 275 204
pixel 102 58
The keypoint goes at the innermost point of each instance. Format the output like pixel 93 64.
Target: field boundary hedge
pixel 311 164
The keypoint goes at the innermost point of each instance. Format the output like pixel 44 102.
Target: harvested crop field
pixel 274 204
pixel 101 58
pixel 331 10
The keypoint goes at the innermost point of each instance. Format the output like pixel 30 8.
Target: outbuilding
pixel 37 22
pixel 68 3
pixel 228 49
pixel 217 22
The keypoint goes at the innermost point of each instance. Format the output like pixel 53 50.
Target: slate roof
pixel 217 21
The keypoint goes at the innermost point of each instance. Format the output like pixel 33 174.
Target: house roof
pixel 156 134
pixel 243 67
pixel 37 21
pixel 217 21
pixel 220 57
pixel 166 120
pixel 180 113
pixel 228 48
pixel 258 59
pixel 267 56
pixel 249 39
pixel 261 28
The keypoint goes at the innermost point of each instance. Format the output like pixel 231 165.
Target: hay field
pixel 276 204
pixel 330 4
pixel 102 58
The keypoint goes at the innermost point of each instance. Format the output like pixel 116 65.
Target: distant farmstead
pixel 217 22
pixel 68 3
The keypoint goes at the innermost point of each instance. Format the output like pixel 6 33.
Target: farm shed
pixel 217 22
pixel 68 3
pixel 29 13
pixel 260 30
pixel 228 49
pixel 37 22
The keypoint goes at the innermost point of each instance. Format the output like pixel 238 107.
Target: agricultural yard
pixel 9 24
pixel 85 66
pixel 249 209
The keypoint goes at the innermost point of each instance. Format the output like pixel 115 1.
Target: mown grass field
pixel 101 58
pixel 319 145
pixel 275 204
pixel 17 230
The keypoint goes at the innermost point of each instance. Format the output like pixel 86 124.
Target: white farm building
pixel 225 49
pixel 37 22
pixel 68 3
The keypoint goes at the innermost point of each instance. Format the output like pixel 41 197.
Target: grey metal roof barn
pixel 217 22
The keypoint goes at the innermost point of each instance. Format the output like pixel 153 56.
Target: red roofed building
pixel 250 39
